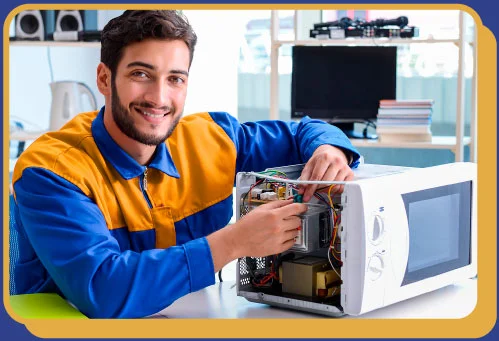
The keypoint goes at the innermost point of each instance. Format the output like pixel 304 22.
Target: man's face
pixel 149 90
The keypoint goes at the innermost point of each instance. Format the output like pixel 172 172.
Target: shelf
pixel 438 142
pixel 51 43
pixel 366 41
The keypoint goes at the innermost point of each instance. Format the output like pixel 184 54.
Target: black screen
pixel 342 82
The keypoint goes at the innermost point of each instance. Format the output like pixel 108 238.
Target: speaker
pixel 30 25
pixel 69 21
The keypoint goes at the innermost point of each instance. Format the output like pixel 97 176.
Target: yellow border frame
pixel 475 325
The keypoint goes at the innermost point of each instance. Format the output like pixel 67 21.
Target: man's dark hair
pixel 135 26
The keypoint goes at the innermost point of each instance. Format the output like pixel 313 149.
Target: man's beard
pixel 125 123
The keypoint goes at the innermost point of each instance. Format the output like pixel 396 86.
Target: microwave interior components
pixel 308 276
pixel 310 270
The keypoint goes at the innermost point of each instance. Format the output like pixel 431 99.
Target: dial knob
pixel 377 229
pixel 375 267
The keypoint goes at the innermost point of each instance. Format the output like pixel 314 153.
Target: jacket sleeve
pixel 274 143
pixel 69 235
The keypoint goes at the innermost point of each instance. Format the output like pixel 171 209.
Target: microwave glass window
pixel 431 245
pixel 439 230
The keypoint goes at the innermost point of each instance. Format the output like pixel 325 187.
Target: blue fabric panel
pixel 204 222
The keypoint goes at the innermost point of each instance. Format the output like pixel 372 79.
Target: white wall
pixel 213 74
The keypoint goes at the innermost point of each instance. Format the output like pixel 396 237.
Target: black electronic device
pixel 358 28
pixel 347 22
pixel 400 22
pixel 69 21
pixel 343 23
pixel 342 84
pixel 409 32
pixel 364 32
pixel 33 25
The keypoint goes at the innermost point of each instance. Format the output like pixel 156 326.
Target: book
pixel 402 121
pixel 385 116
pixel 406 102
pixel 405 111
pixel 403 129
pixel 391 138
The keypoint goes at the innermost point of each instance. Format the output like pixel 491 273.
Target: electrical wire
pixel 268 277
pixel 50 65
pixel 331 263
pixel 274 171
pixel 318 196
pixel 303 182
pixel 329 195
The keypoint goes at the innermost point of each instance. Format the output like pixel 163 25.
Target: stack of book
pixel 404 120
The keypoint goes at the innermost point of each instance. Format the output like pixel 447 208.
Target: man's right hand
pixel 267 230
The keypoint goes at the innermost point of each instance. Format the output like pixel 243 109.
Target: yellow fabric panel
pixel 164 226
pixel 204 155
pixel 205 158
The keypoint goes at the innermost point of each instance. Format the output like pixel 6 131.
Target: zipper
pixel 143 187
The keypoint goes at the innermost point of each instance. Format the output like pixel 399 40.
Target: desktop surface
pixel 221 301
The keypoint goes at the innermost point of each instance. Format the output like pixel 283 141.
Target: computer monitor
pixel 342 84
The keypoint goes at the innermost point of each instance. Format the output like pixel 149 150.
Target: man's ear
pixel 104 79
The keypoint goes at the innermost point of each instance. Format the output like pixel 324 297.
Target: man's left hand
pixel 327 163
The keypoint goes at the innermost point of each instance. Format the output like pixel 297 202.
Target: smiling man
pixel 124 210
pixel 148 90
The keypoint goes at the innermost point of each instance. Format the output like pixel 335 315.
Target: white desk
pixel 220 301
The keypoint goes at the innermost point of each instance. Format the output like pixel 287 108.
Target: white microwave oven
pixel 394 233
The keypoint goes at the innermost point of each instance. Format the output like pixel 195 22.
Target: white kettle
pixel 67 102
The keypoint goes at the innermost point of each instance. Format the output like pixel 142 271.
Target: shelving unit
pixel 454 143
pixel 437 142
pixel 50 43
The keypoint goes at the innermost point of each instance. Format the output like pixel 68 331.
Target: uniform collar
pixel 126 166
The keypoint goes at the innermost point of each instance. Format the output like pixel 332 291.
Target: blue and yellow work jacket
pixel 119 239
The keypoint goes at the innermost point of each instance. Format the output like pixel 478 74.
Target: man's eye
pixel 177 80
pixel 139 74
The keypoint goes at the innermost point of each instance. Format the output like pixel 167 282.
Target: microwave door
pixel 407 234
pixel 374 244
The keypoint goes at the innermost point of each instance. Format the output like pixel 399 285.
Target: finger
pixel 325 172
pixel 292 210
pixel 317 174
pixel 291 224
pixel 350 175
pixel 305 174
pixel 344 174
pixel 290 235
pixel 335 175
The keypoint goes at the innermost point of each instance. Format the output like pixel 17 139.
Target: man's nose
pixel 158 94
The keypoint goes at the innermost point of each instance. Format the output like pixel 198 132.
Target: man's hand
pixel 270 228
pixel 267 230
pixel 327 163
